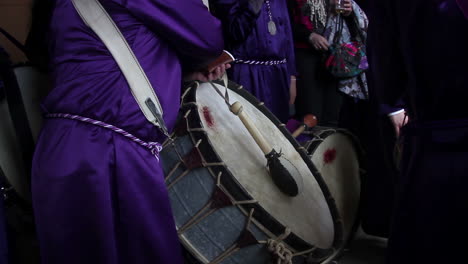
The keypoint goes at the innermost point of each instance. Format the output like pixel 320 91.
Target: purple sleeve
pixel 187 25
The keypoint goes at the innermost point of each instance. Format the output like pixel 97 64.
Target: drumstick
pixel 237 109
pixel 224 58
pixel 309 122
pixel 281 176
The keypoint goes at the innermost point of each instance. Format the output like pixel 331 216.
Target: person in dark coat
pixel 422 50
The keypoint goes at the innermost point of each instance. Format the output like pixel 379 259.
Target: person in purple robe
pixel 100 196
pixel 422 52
pixel 258 34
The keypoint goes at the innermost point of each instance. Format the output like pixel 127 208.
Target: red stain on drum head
pixel 208 117
pixel 329 156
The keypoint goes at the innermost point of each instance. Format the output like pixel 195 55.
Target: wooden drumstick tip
pixel 236 108
pixel 309 122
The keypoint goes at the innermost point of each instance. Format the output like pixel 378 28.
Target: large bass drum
pixel 337 155
pixel 226 207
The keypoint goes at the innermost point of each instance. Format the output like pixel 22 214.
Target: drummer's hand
pixel 398 121
pixel 216 74
pixel 348 7
pixel 292 90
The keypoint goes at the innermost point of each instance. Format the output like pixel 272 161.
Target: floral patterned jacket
pixel 357 86
pixel 302 27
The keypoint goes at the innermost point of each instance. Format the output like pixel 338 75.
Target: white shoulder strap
pixel 206 3
pixel 96 17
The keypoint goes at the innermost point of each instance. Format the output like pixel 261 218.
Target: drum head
pixel 308 214
pixel 336 156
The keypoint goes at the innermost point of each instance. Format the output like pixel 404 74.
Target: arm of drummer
pixel 239 17
pixel 187 25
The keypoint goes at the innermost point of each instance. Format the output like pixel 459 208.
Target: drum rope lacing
pixel 236 246
pixel 283 254
pixel 189 167
pixel 276 247
pixel 153 147
pixel 279 250
pixel 212 206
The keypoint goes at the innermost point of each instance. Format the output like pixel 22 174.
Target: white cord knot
pixel 280 251
pixel 155 148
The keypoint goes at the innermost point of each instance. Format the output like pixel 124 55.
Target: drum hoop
pixel 236 190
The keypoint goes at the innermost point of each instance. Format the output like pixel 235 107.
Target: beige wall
pixel 14 18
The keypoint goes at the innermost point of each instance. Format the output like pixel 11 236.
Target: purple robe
pixel 99 197
pixel 247 37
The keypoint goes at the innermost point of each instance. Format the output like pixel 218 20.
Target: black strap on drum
pixel 16 107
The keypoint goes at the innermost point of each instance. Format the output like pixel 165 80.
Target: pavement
pixel 364 249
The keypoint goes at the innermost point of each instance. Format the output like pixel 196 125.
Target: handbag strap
pixel 338 30
pixel 354 29
pixel 95 16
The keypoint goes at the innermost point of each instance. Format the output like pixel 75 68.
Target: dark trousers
pixel 317 91
pixel 431 218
